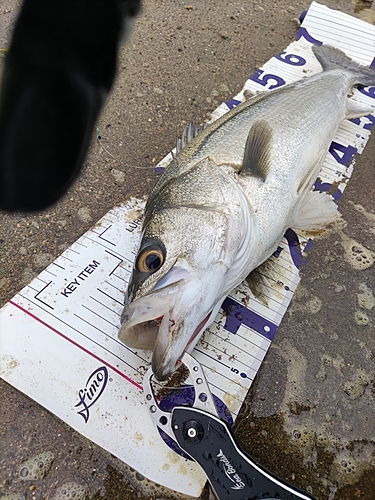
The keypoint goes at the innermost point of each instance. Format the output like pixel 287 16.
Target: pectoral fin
pixel 356 109
pixel 257 156
pixel 315 212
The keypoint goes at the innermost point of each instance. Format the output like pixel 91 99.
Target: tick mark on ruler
pixel 49 272
pixel 104 239
pixel 115 287
pixel 40 300
pixel 104 305
pixel 109 296
pixel 58 265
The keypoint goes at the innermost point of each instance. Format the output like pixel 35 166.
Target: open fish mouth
pixel 144 334
pixel 169 349
pixel 200 327
pixel 154 323
pixel 142 323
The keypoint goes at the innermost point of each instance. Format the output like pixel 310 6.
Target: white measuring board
pixel 58 336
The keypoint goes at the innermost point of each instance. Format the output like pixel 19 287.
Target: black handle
pixel 232 473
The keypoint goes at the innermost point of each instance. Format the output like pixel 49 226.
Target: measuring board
pixel 59 340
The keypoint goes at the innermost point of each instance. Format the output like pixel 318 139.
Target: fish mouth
pixel 160 321
pixel 167 354
pixel 200 327
pixel 165 336
pixel 143 320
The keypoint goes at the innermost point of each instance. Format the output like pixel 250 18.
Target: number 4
pixel 342 154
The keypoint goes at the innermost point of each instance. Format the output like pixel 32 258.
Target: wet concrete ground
pixel 310 413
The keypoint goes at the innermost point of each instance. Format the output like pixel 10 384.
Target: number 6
pixel 292 59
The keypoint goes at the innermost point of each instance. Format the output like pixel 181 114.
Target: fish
pixel 225 200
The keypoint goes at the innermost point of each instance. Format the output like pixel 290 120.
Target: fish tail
pixel 331 58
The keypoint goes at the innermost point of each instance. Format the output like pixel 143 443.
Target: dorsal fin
pixel 190 131
pixel 257 155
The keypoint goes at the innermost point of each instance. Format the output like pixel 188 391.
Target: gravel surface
pixel 310 413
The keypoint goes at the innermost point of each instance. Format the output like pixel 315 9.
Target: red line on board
pixel 77 345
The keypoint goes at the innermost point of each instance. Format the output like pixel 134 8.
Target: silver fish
pixel 225 201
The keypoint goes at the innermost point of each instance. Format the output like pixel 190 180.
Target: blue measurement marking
pixel 238 315
pixel 232 103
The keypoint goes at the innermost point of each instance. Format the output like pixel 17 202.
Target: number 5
pixel 263 79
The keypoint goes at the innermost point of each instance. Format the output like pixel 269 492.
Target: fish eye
pixel 150 260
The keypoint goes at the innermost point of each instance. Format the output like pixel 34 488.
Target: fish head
pixel 196 238
pixel 177 284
